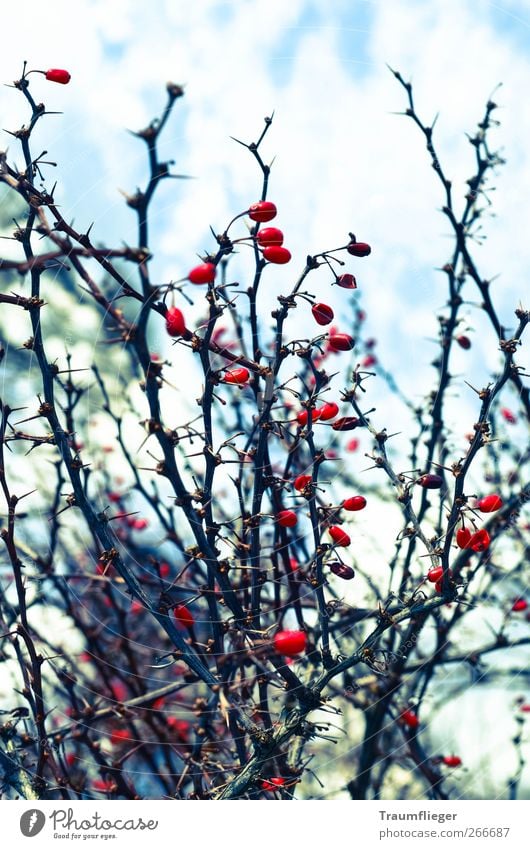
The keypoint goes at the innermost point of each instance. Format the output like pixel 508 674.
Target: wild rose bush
pixel 189 604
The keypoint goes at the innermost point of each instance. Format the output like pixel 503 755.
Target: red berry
pixel 270 236
pixel 479 541
pixel 104 785
pixel 356 502
pixel 410 719
pixel 58 75
pixel 272 784
pixel 119 735
pixel 262 211
pixel 346 423
pixel 489 504
pixel 339 536
pixel 302 481
pixel 165 570
pixel 435 574
pixel 287 518
pixel 303 417
pixel 508 416
pixel 463 535
pixel 328 411
pixel 359 249
pixel 204 273
pixel 430 481
pixel 452 760
pixel 183 616
pixel 136 606
pixel 342 571
pixel 140 524
pixel 114 497
pixel 276 254
pixel 464 342
pixel 322 313
pixel 175 324
pixel 352 445
pixel 237 375
pixel 341 342
pixel 525 708
pixel 519 605
pixel 180 727
pixel 347 281
pixel 290 643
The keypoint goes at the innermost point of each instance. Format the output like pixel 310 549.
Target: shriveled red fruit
pixel 271 784
pixel 269 236
pixel 237 376
pixel 262 210
pixel 430 481
pixel 286 518
pixel 463 535
pixel 290 643
pixel 356 502
pixel 303 416
pixel 328 411
pixel 58 75
pixel 301 482
pixel 410 719
pixel 464 342
pixel 489 503
pixel 341 342
pixel 175 324
pixel 359 249
pixel 276 254
pixel 479 541
pixel 184 616
pixel 519 605
pixel 346 281
pixel 452 760
pixel 204 273
pixel 338 535
pixel 322 313
pixel 346 423
pixel 341 570
pixel 434 575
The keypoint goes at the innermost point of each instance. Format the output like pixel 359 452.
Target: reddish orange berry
pixel 290 643
pixel 519 605
pixel 204 273
pixel 269 236
pixel 276 254
pixel 339 536
pixel 434 575
pixel 238 376
pixel 287 518
pixel 341 342
pixel 58 75
pixel 262 211
pixel 489 503
pixel 303 416
pixel 356 502
pixel 328 411
pixel 463 535
pixel 410 719
pixel 301 482
pixel 175 324
pixel 184 616
pixel 322 313
pixel 479 541
pixel 272 784
pixel 452 760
